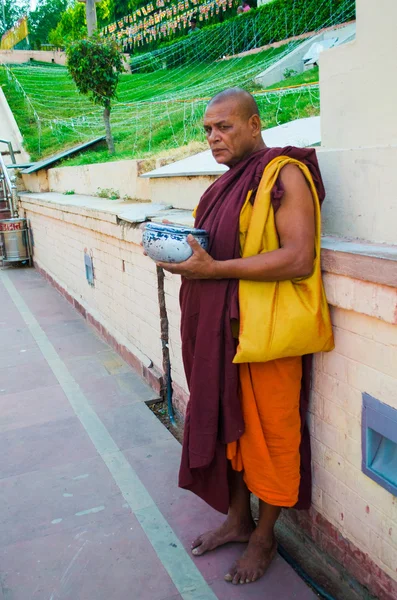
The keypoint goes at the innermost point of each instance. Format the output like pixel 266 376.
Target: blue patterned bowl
pixel 168 243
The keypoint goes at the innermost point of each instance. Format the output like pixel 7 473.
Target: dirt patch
pixel 160 410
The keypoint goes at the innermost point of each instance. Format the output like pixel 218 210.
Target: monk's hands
pixel 199 266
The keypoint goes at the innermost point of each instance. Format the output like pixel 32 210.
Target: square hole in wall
pixel 89 268
pixel 379 443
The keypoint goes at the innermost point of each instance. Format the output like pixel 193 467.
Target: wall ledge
pixel 357 259
pixel 376 263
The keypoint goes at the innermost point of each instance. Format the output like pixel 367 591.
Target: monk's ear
pixel 255 124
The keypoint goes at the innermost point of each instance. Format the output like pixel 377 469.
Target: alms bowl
pixel 168 243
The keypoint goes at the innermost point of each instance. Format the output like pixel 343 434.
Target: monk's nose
pixel 214 136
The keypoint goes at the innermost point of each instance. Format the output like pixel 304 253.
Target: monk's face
pixel 231 135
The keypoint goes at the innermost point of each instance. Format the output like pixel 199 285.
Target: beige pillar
pixel 358 85
pixel 358 157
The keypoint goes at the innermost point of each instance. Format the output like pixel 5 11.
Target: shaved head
pixel 244 100
pixel 232 126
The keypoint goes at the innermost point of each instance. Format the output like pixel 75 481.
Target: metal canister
pixel 14 240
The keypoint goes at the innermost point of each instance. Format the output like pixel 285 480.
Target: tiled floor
pixel 67 529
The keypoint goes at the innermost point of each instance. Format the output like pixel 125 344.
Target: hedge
pixel 270 23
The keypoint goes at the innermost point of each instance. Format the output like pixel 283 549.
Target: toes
pixel 199 550
pixel 198 547
pixel 243 577
pixel 230 576
pixel 236 579
pixel 250 577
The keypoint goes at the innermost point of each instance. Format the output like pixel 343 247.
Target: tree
pixel 95 65
pixel 71 27
pixel 44 18
pixel 13 11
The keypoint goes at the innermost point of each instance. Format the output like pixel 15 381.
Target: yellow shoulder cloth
pixel 282 318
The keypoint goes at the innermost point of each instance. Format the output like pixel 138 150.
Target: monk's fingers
pixel 193 243
pixel 170 267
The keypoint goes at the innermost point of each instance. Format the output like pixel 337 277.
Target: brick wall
pixel 352 516
pixel 124 297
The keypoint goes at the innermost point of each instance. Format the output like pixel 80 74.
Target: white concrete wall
pixel 361 189
pixel 14 57
pixel 358 87
pixel 121 176
pixel 181 192
pixel 294 60
pixel 10 131
pixel 23 56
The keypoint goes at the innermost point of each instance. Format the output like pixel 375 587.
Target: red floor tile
pixel 157 467
pixel 49 501
pixel 32 407
pixel 42 446
pixel 110 392
pixel 106 561
pixel 34 374
pixel 134 425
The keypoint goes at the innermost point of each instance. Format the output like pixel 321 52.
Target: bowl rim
pixel 174 228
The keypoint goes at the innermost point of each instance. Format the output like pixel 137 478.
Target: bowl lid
pixel 174 228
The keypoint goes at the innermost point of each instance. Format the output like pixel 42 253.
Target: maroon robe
pixel 214 417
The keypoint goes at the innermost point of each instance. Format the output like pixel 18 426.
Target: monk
pixel 245 429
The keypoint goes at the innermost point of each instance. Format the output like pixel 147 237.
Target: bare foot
pixel 254 562
pixel 230 531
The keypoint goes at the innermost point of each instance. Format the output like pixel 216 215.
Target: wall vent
pixel 89 268
pixel 379 443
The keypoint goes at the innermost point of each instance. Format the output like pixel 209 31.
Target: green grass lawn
pixel 310 76
pixel 154 112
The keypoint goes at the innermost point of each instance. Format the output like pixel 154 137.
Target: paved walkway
pixel 90 508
